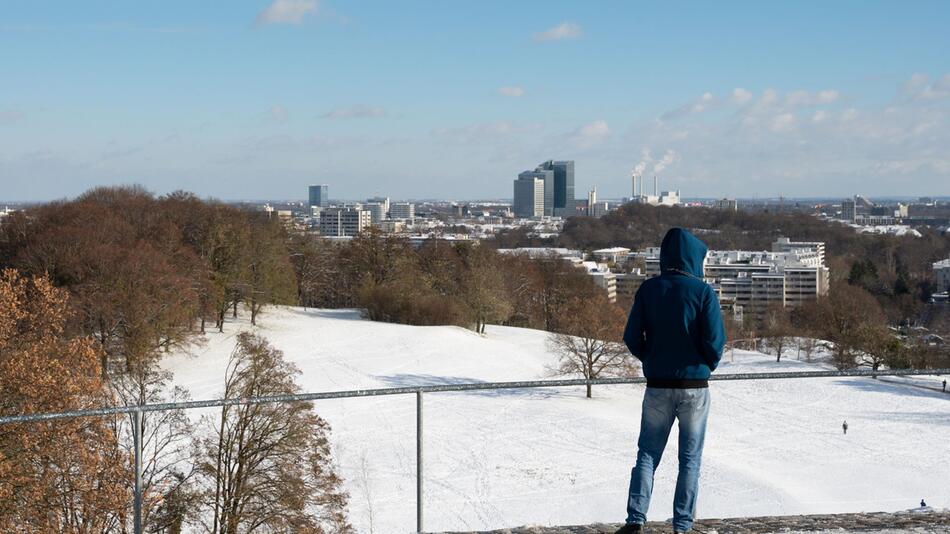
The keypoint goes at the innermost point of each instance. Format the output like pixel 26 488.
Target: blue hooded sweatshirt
pixel 675 326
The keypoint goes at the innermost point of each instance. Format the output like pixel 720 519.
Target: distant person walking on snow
pixel 844 426
pixel 944 385
pixel 675 329
pixel 923 504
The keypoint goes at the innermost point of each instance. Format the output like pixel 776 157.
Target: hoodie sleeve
pixel 633 333
pixel 712 332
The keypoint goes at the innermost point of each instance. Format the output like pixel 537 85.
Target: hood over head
pixel 682 251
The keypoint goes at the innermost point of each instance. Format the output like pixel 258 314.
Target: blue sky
pixel 257 99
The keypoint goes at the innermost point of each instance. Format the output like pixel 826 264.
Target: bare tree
pixel 777 329
pixel 267 467
pixel 591 344
pixel 483 288
pixel 167 447
pixel 269 275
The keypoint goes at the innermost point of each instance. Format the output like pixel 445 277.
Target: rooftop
pixel 918 520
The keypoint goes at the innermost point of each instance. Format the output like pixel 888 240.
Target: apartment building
pixel 750 281
pixel 344 222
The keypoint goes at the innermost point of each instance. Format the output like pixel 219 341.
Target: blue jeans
pixel 660 407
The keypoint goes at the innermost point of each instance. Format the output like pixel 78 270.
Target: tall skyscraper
pixel 849 209
pixel 547 177
pixel 529 195
pixel 318 196
pixel 563 198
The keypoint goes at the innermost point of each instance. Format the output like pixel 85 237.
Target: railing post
pixel 137 443
pixel 419 461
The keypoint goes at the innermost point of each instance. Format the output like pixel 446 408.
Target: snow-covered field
pixel 496 459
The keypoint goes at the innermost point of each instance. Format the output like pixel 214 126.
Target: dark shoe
pixel 630 528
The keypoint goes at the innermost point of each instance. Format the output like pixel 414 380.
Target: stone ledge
pixel 936 522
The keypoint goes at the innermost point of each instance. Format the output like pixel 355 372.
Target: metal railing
pixel 138 410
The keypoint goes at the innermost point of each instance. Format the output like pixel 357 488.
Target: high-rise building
pixel 848 210
pixel 529 195
pixel 402 210
pixel 547 178
pixel 341 222
pixel 318 196
pixel 563 193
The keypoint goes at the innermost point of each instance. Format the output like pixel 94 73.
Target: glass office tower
pixel 562 201
pixel 318 196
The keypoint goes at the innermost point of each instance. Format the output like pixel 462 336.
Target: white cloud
pixel 916 81
pixel 920 88
pixel 10 116
pixel 355 112
pixel 511 91
pixel 819 116
pixel 703 102
pixel 797 98
pixel 783 122
pixel 278 113
pixel 804 98
pixel 700 105
pixel 741 96
pixel 590 135
pixel 828 96
pixel 285 12
pixel 565 30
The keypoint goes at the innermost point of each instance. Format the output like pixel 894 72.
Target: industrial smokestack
pixel 656 187
pixel 634 193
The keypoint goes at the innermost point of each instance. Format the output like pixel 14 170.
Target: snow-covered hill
pixel 550 456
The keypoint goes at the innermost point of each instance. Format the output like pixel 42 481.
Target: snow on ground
pixel 497 459
pixel 887 229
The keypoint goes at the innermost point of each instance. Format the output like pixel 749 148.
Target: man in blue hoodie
pixel 675 330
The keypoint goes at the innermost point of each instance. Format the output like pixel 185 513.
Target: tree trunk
pixel 590 374
pixel 202 323
pixel 234 312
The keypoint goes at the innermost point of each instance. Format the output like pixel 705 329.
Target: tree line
pixel 895 270
pixel 93 293
pixel 438 283
pixel 96 290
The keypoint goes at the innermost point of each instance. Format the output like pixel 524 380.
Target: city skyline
pixel 449 101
